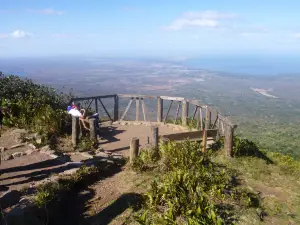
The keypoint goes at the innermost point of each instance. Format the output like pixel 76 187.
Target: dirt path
pixel 115 198
pixel 107 201
pixel 111 200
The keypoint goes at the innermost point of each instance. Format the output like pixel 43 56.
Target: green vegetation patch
pixel 34 107
pixel 191 188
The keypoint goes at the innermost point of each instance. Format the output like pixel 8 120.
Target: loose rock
pixel 18 154
pixel 71 171
pixel 53 156
pixel 3 149
pixel 45 148
pixel 106 161
pixel 86 155
pixel 7 157
pixel 32 146
pixel 119 157
pixel 17 146
pixel 102 154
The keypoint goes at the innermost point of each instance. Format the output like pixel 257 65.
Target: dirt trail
pixel 108 200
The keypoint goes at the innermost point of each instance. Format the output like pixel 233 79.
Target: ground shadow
pixel 71 204
pixel 120 149
pixel 245 147
pixel 125 201
pixel 38 165
pixel 40 174
pixel 70 209
pixel 109 133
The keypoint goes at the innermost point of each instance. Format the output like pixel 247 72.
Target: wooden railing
pixel 206 117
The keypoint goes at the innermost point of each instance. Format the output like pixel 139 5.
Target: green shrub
pixel 86 144
pixel 146 160
pixel 287 163
pixel 180 198
pixel 35 107
pixel 191 188
pixel 244 147
pixel 51 191
pixel 186 155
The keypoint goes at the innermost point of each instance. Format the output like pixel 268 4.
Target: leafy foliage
pixel 191 123
pixel 192 189
pixel 37 107
pixel 51 191
pixel 245 147
pixel 86 144
pixel 146 161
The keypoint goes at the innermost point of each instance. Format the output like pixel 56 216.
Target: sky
pixel 133 28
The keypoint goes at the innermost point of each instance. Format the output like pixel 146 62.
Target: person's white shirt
pixel 75 112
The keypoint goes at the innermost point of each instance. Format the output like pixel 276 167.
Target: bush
pixel 180 199
pixel 192 189
pixel 32 106
pixel 245 147
pixel 51 191
pixel 86 144
pixel 146 160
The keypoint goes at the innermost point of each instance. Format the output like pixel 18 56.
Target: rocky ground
pixel 24 167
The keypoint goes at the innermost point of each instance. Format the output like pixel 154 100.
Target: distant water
pixel 248 65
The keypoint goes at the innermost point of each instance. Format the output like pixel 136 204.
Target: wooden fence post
pixel 93 130
pixel 75 130
pixel 207 125
pixel 185 112
pixel 154 137
pixel 228 142
pixel 159 109
pixel 96 105
pixel 207 118
pixel 204 140
pixel 116 108
pixel 134 149
pixel 137 110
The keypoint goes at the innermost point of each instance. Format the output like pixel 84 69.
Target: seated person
pixel 82 114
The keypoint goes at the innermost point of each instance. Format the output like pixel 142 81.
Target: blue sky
pixel 148 28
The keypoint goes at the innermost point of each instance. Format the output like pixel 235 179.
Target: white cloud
pixel 20 34
pixel 206 19
pixel 47 11
pixel 15 34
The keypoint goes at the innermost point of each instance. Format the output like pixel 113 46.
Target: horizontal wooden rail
pixel 192 135
pixel 194 102
pixel 172 98
pixel 169 98
pixel 93 97
pixel 136 96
